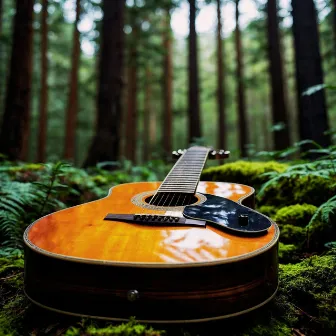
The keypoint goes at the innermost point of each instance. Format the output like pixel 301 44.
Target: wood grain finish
pixel 81 232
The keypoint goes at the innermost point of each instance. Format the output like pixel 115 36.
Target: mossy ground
pixel 306 300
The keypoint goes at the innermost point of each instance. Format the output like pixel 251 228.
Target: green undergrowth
pixel 243 172
pixel 299 197
pixel 306 301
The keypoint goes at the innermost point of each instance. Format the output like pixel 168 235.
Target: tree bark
pixel 15 124
pixel 313 118
pixel 220 82
pixel 72 107
pixel 334 20
pixel 241 103
pixel 42 134
pixel 168 87
pixel 194 106
pixel 132 85
pixel 279 107
pixel 105 145
pixel 147 116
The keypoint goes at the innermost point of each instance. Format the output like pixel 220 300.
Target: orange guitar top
pixel 81 232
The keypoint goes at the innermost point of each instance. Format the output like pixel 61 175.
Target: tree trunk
pixel 334 20
pixel 131 119
pixel 168 87
pixel 243 136
pixel 42 134
pixel 72 108
pixel 105 145
pixel 220 84
pixel 313 119
pixel 146 116
pixel 194 106
pixel 279 107
pixel 15 124
pixel 1 54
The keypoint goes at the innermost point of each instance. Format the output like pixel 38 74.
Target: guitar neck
pixel 185 175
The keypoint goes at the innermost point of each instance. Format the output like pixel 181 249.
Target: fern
pixel 22 203
pixel 324 212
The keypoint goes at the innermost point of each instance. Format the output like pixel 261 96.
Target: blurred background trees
pixel 98 80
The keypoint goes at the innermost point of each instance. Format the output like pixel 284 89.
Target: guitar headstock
pixel 213 154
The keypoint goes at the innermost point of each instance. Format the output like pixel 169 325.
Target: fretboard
pixel 185 175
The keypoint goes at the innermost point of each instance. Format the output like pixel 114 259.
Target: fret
pixel 184 176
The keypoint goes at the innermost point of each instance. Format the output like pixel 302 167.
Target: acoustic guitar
pixel 173 251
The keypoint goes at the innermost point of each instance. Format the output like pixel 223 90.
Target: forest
pixel 98 93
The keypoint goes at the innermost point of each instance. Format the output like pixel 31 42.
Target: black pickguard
pixel 226 214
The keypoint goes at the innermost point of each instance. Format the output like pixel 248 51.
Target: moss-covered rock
pixel 298 190
pixel 308 293
pixel 287 253
pixel 291 234
pixel 244 172
pixel 298 215
pixel 268 210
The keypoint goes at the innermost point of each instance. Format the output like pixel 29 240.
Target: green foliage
pixel 298 214
pixel 13 304
pixel 244 172
pixel 287 253
pixel 132 328
pixel 22 203
pixel 273 328
pixel 291 234
pixel 307 290
pixel 267 210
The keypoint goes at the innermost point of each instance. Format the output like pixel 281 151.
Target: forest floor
pixel 299 196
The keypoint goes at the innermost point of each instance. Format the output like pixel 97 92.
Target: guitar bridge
pixel 155 220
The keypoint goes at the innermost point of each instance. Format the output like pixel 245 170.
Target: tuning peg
pixel 221 154
pixel 212 154
pixel 175 155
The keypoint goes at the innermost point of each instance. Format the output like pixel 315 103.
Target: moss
pixel 298 190
pixel 268 210
pixel 273 328
pixel 287 253
pixel 13 303
pixel 308 291
pixel 132 328
pixel 290 234
pixel 244 172
pixel 298 215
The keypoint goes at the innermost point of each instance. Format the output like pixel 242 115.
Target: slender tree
pixel 105 145
pixel 15 124
pixel 193 95
pixel 132 86
pixel 72 107
pixel 334 20
pixel 242 119
pixel 220 81
pixel 147 115
pixel 42 134
pixel 279 107
pixel 167 86
pixel 313 119
pixel 1 50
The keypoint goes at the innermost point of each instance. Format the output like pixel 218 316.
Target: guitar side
pixel 117 270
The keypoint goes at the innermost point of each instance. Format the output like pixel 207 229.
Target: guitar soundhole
pixel 171 199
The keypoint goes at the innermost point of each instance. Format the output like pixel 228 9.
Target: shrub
pixel 244 172
pixel 298 215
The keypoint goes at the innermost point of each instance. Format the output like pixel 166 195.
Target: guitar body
pixel 78 263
